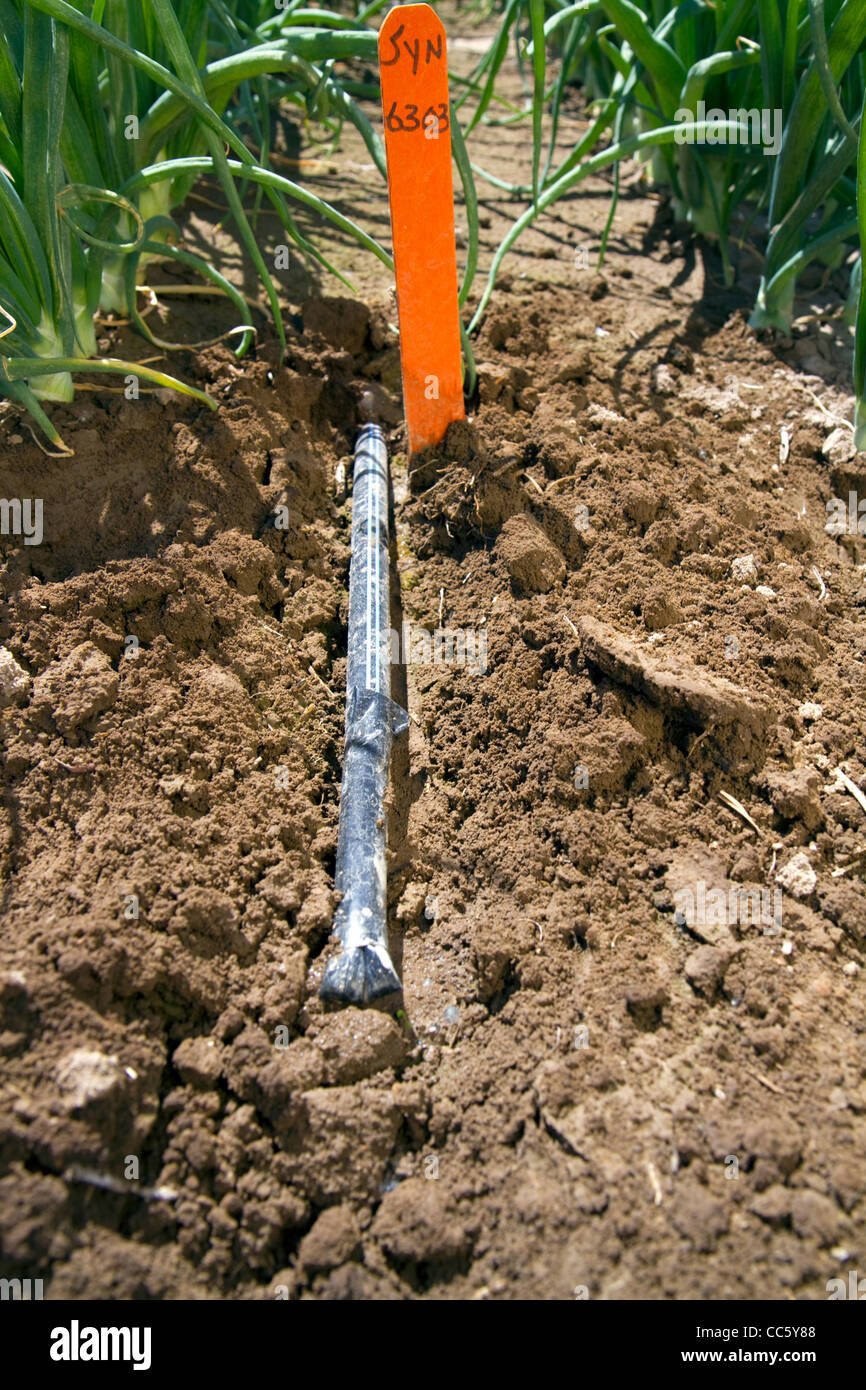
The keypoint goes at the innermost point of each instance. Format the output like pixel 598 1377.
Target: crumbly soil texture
pixel 627 827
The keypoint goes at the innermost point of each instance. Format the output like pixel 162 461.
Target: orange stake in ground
pixel 414 76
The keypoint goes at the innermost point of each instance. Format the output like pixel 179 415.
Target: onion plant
pixel 108 114
pixel 690 87
pixel 49 277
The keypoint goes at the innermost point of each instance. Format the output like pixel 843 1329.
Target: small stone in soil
pixel 798 877
pixel 809 712
pixel 744 570
pixel 14 680
pixel 84 1075
pixel 838 448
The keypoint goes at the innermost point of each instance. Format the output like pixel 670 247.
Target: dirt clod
pixel 705 969
pixel 332 1240
pixel 677 685
pixel 198 1061
pixel 357 1043
pixel 416 1222
pixel 74 690
pixel 532 560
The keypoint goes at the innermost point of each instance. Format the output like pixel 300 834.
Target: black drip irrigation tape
pixel 364 970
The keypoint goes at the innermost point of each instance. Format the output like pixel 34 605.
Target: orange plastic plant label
pixel 414 76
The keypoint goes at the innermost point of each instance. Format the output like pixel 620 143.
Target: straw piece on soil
pixel 676 685
pixel 850 786
pixel 734 805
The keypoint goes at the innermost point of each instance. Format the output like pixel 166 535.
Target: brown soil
pixel 586 1095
